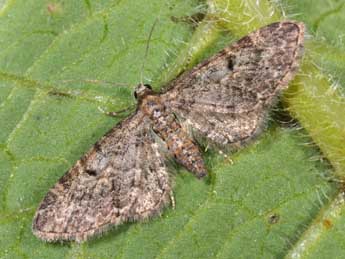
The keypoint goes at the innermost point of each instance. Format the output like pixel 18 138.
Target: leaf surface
pixel 256 206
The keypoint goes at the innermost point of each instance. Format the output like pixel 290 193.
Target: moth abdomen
pixel 180 145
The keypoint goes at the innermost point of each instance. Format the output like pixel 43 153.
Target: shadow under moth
pixel 125 177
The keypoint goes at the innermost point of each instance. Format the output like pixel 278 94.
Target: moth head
pixel 142 90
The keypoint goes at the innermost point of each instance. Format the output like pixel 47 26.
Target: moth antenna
pixel 147 51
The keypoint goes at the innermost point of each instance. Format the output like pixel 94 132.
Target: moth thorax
pixel 142 90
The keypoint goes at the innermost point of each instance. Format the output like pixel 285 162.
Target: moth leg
pixel 118 113
pixel 55 92
pixel 207 147
pixel 192 20
pixel 226 157
pixel 172 200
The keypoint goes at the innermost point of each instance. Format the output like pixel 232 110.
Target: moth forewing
pixel 228 109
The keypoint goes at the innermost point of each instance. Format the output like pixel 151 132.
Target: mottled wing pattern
pixel 226 98
pixel 122 178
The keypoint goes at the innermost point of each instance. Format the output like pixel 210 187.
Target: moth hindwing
pixel 124 176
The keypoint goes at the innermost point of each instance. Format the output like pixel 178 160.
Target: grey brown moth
pixel 124 177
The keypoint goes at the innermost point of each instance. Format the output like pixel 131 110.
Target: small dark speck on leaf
pixel 273 218
pixel 54 8
pixel 327 223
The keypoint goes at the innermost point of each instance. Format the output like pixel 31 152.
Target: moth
pixel 125 177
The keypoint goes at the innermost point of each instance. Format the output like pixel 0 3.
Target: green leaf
pixel 266 202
